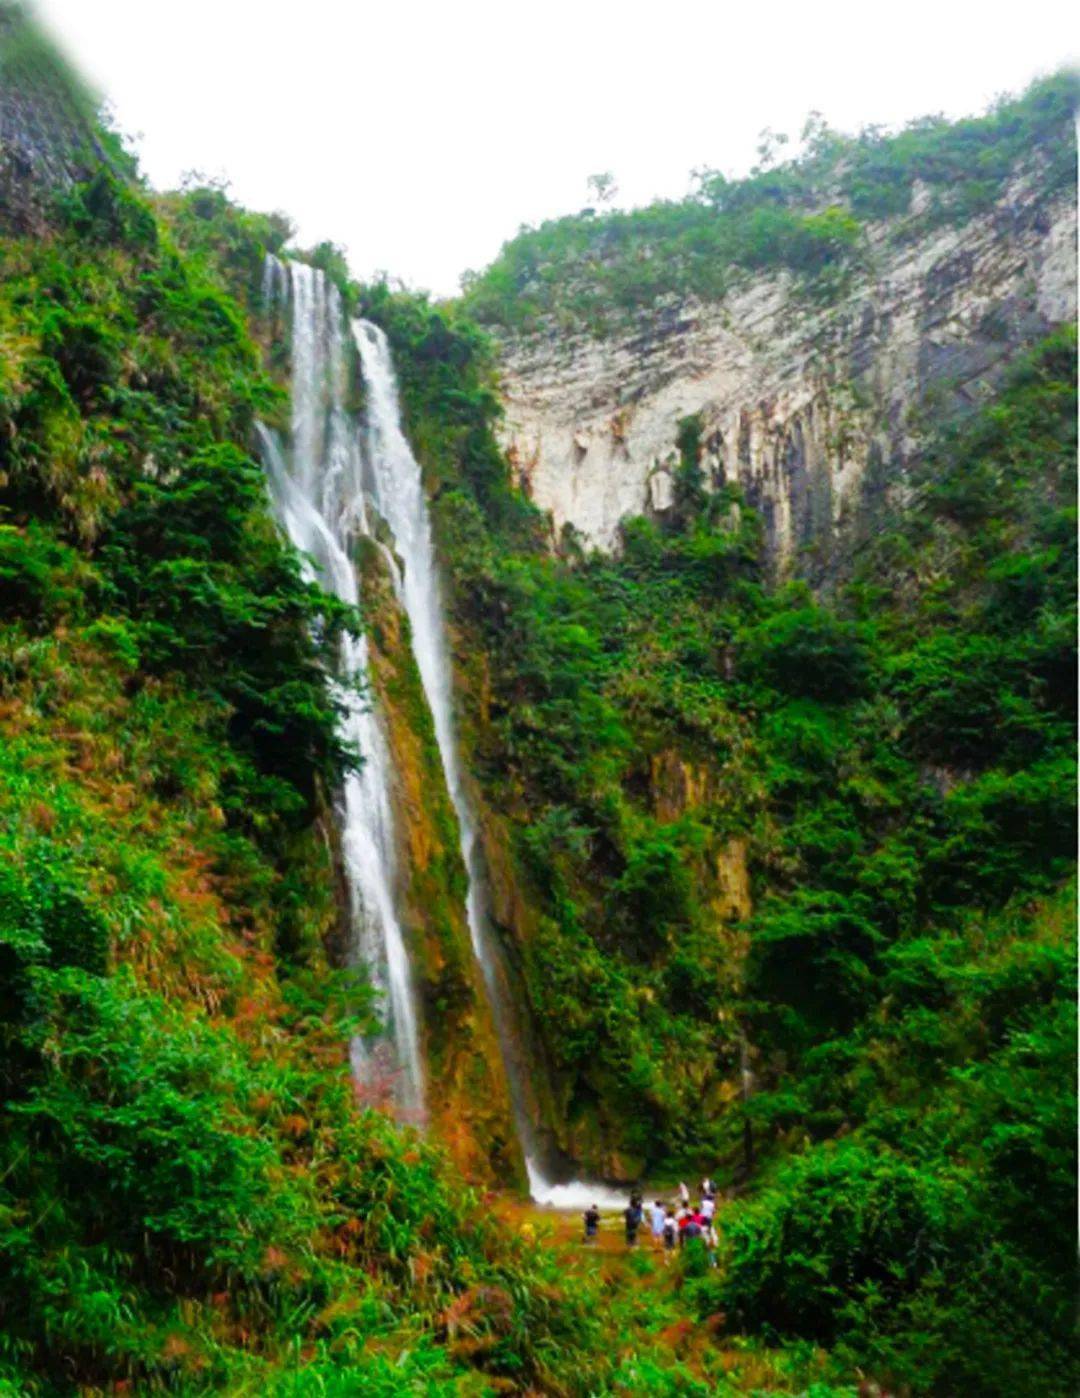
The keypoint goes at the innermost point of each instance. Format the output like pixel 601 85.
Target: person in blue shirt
pixel 657 1214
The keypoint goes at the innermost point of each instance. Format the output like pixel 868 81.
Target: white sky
pixel 420 134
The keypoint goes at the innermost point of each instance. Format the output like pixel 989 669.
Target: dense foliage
pixel 190 1196
pixel 593 270
pixel 129 389
pixel 792 874
pixel 898 765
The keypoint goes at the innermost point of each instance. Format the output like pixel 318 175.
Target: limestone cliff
pixel 812 407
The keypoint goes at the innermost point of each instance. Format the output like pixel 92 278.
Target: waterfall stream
pixel 317 494
pixel 397 493
pixel 325 487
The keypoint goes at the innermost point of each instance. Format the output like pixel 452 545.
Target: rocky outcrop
pixel 48 136
pixel 811 407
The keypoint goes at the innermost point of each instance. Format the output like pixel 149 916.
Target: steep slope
pixel 190 1194
pixel 469 1106
pixel 789 881
pixel 784 879
pixel 875 282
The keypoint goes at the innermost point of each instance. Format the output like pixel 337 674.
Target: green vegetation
pixel 897 765
pixel 928 1244
pixel 190 1197
pixel 592 271
pixel 128 394
pixel 791 876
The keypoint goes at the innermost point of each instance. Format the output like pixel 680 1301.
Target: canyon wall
pixel 811 405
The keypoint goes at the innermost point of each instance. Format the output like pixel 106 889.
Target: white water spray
pixel 575 1196
pixel 318 495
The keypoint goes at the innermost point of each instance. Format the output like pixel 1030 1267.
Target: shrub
pixel 809 652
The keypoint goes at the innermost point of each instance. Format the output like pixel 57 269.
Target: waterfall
pixel 397 493
pixel 327 485
pixel 318 497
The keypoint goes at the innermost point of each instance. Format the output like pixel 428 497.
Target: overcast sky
pixel 421 133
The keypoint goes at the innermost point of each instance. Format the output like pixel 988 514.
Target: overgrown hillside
pixel 788 882
pixel 785 880
pixel 190 1195
pixel 815 216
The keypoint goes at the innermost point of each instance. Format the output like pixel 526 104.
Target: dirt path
pixel 641 1290
pixel 607 1254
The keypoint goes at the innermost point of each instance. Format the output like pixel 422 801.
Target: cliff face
pixel 811 407
pixel 468 1101
pixel 48 132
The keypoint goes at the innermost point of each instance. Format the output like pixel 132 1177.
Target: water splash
pixel 576 1194
pixel 317 490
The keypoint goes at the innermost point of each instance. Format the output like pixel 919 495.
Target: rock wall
pixel 811 408
pixel 468 1099
pixel 47 124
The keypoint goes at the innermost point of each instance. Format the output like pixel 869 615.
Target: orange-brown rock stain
pixel 467 1096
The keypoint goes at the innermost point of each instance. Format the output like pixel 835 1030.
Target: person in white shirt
pixel 671 1235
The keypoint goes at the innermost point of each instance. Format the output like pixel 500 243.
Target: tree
pixel 709 186
pixel 770 142
pixel 602 187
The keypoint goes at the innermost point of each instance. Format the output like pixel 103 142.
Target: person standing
pixel 592 1223
pixel 671 1234
pixel 657 1217
pixel 632 1217
pixel 712 1243
pixel 684 1194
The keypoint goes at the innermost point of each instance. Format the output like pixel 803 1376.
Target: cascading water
pixel 317 492
pixel 322 487
pixel 397 493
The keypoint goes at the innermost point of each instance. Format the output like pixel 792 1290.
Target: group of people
pixel 671 1225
